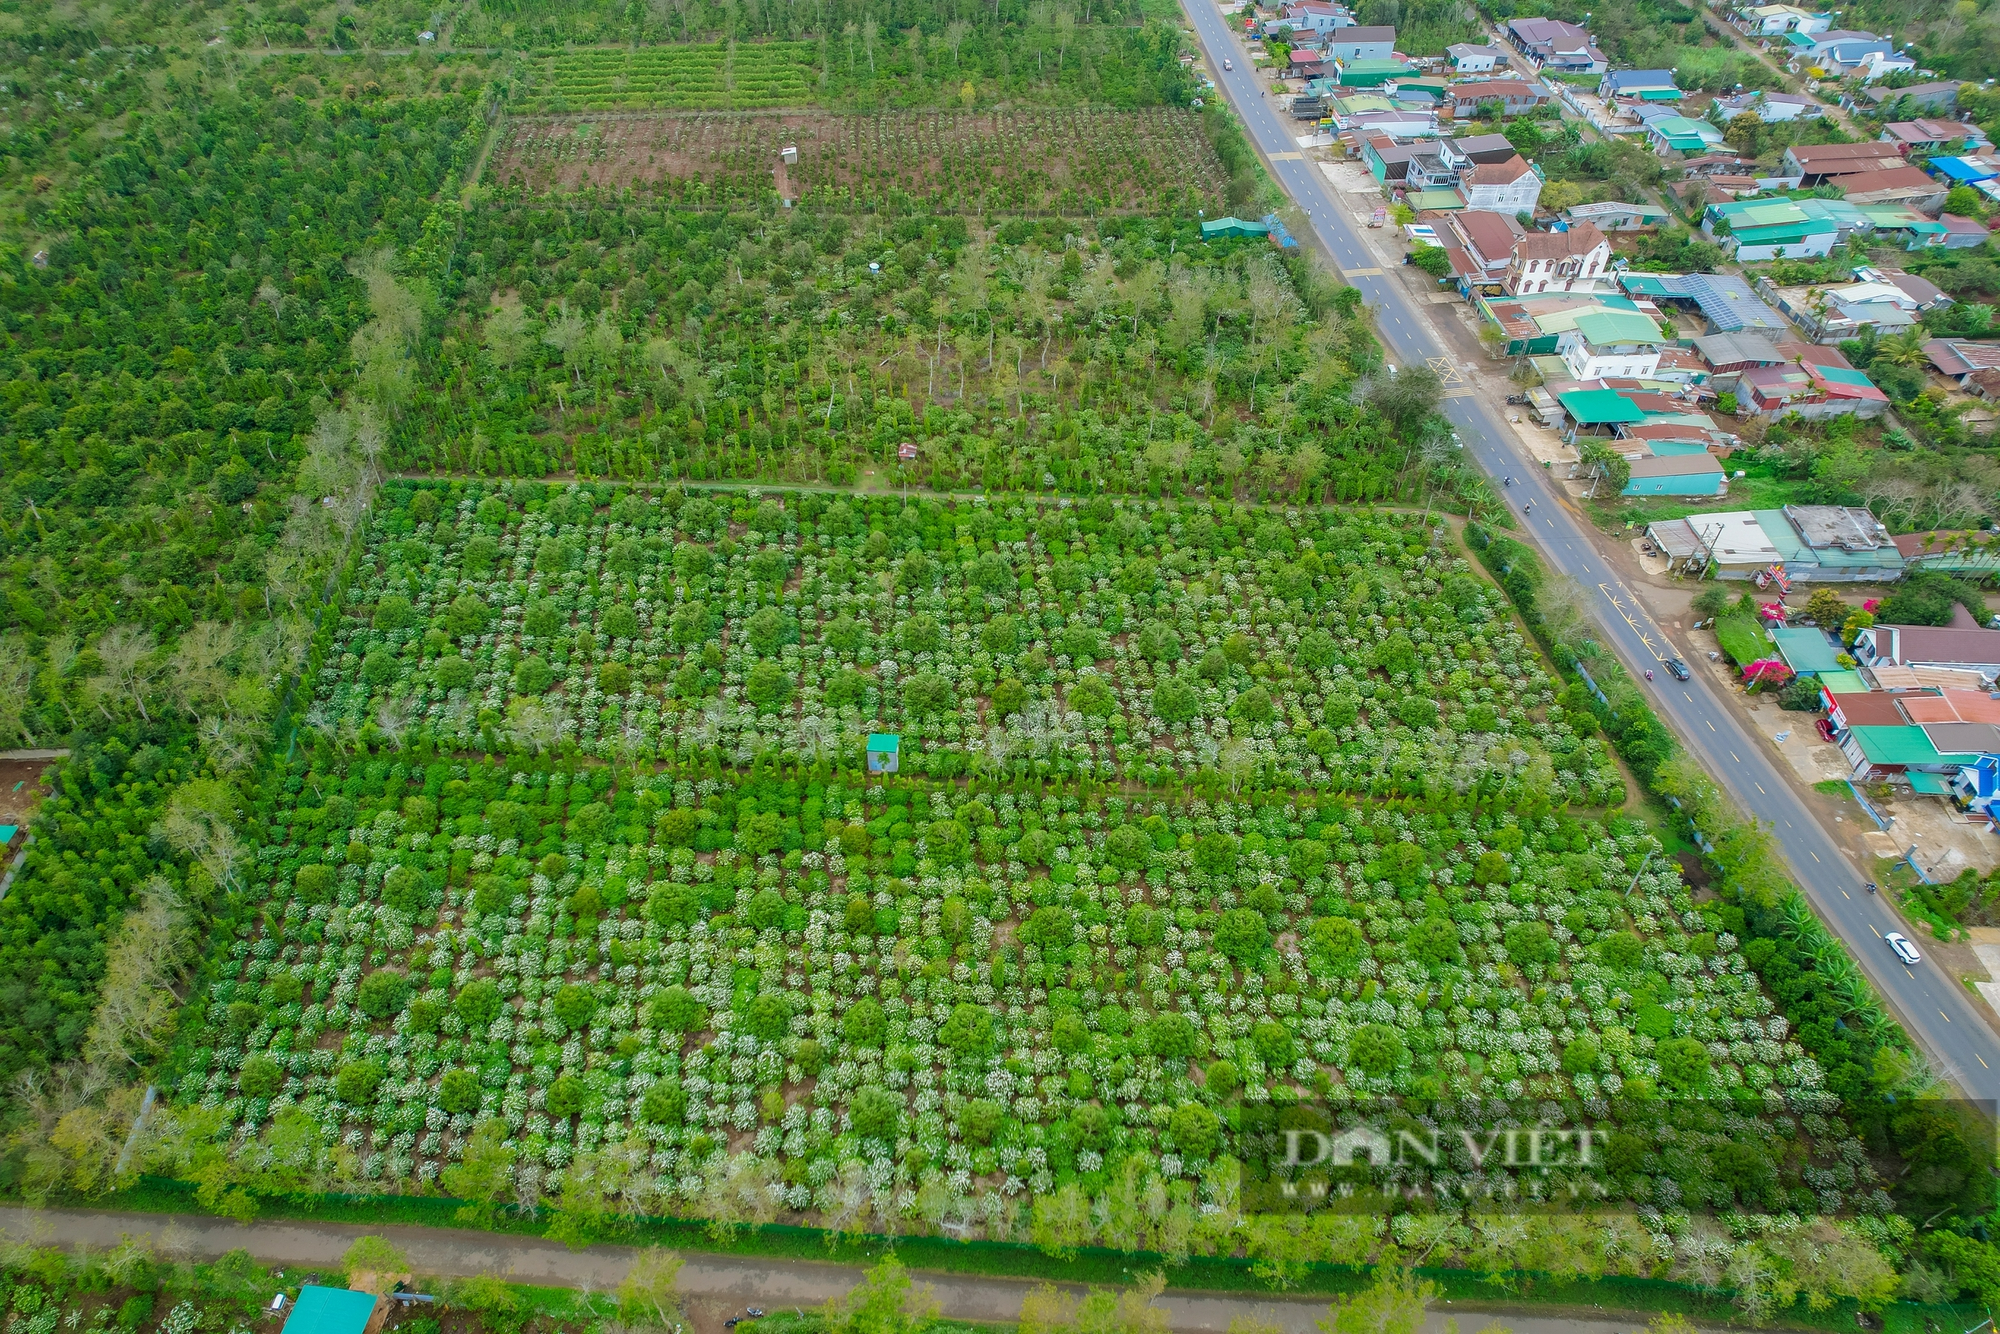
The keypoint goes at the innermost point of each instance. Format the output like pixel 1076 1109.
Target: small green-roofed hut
pixel 330 1311
pixel 1232 227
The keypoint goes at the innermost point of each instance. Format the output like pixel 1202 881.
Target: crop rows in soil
pixel 998 161
pixel 687 77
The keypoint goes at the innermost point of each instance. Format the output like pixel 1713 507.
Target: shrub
pixel 1174 702
pixel 382 993
pixel 1376 1048
pixel 458 1092
pixel 877 1112
pixel 1274 1043
pixel 566 1096
pixel 1068 1033
pixel 1621 949
pixel 1528 942
pixel 576 1006
pixel 981 1120
pixel 1338 944
pixel 478 1003
pixel 259 1077
pixel 357 1081
pixel 665 1104
pixel 1683 1062
pixel 1193 1130
pixel 865 1023
pixel 968 1030
pixel 1654 1021
pixel 1242 934
pixel 1170 1036
pixel 1434 941
pixel 1222 1078
pixel 1216 854
pixel 768 1015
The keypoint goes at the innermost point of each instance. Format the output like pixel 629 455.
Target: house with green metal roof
pixel 1878 751
pixel 1534 322
pixel 1805 649
pixel 1434 201
pixel 1219 227
pixel 1754 229
pixel 1679 134
pixel 1599 407
pixel 1371 73
pixel 1611 342
pixel 1698 474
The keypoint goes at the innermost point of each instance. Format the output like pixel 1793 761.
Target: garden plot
pixel 1005 161
pixel 727 973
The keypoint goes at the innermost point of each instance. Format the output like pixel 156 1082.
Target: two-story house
pixel 1361 42
pixel 1314 16
pixel 1512 186
pixel 1611 343
pixel 1557 261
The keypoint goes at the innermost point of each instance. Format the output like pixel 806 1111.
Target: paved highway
pixel 1937 1011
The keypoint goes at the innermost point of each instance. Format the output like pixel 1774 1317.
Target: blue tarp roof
pixel 1280 233
pixel 1959 169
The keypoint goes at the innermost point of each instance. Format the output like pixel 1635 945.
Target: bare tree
pixel 138 998
pixel 17 678
pixel 126 652
pixel 196 823
pixel 198 673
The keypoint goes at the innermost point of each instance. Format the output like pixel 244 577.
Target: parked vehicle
pixel 1678 668
pixel 1517 399
pixel 1905 951
pixel 1228 64
pixel 1824 726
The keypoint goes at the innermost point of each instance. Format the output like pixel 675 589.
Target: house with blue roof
pixel 1976 786
pixel 1960 170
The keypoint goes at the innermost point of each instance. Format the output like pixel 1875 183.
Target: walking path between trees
pixel 733 1280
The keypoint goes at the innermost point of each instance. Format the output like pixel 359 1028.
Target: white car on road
pixel 1905 951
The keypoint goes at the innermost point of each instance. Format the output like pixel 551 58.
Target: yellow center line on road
pixel 1288 157
pixel 1876 929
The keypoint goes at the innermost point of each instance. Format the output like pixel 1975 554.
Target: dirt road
pixel 717 1285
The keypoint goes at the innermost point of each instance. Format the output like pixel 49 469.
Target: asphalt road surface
pixel 1938 1012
